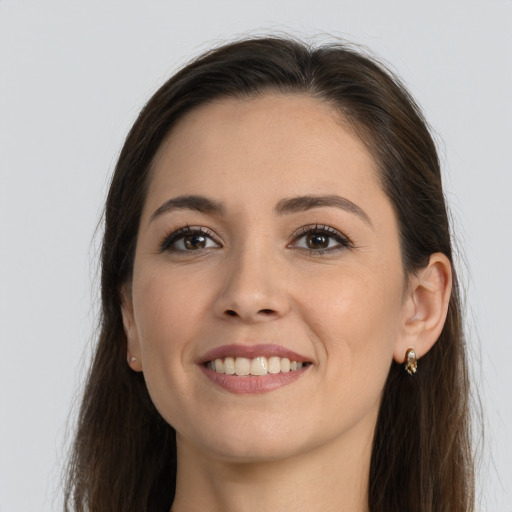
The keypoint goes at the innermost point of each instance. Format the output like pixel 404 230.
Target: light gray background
pixel 73 76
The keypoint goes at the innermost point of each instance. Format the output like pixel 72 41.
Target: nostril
pixel 266 312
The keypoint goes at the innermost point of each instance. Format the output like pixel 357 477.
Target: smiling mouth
pixel 257 366
pixel 253 369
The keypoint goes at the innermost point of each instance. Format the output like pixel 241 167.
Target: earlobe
pixel 425 307
pixel 132 337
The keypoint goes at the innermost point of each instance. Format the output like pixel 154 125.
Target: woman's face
pixel 265 237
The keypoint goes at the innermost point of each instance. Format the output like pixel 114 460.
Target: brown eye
pixel 189 239
pixel 194 242
pixel 320 239
pixel 317 241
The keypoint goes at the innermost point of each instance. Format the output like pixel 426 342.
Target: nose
pixel 253 289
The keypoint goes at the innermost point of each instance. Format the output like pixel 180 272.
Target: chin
pixel 246 441
pixel 255 450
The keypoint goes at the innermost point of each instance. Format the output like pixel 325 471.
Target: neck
pixel 332 477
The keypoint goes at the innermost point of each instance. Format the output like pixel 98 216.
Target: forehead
pixel 263 147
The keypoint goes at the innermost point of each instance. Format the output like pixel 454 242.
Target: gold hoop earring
pixel 411 362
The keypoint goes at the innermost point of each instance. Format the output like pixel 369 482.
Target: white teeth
pixel 259 366
pixel 229 366
pixel 274 364
pixel 219 366
pixel 243 366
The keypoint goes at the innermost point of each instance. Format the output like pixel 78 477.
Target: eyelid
pixel 343 240
pixel 175 234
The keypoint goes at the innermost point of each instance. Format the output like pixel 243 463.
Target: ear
pixel 133 355
pixel 425 307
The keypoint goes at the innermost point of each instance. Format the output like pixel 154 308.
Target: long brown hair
pixel 124 454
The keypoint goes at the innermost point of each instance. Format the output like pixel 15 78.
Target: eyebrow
pixel 303 203
pixel 197 203
pixel 285 206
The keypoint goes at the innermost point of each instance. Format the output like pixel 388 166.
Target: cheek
pixel 355 317
pixel 167 312
pixel 166 304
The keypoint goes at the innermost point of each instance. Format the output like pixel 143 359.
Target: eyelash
pixel 179 234
pixel 343 242
pixel 321 229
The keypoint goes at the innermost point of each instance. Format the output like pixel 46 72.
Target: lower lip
pixel 253 384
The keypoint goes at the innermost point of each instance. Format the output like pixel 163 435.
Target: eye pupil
pixel 317 241
pixel 193 242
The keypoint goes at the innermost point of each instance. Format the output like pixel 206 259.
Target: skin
pixel 350 310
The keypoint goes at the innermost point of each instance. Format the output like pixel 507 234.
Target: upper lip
pixel 250 352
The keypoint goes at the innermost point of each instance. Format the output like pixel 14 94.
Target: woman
pixel 276 265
